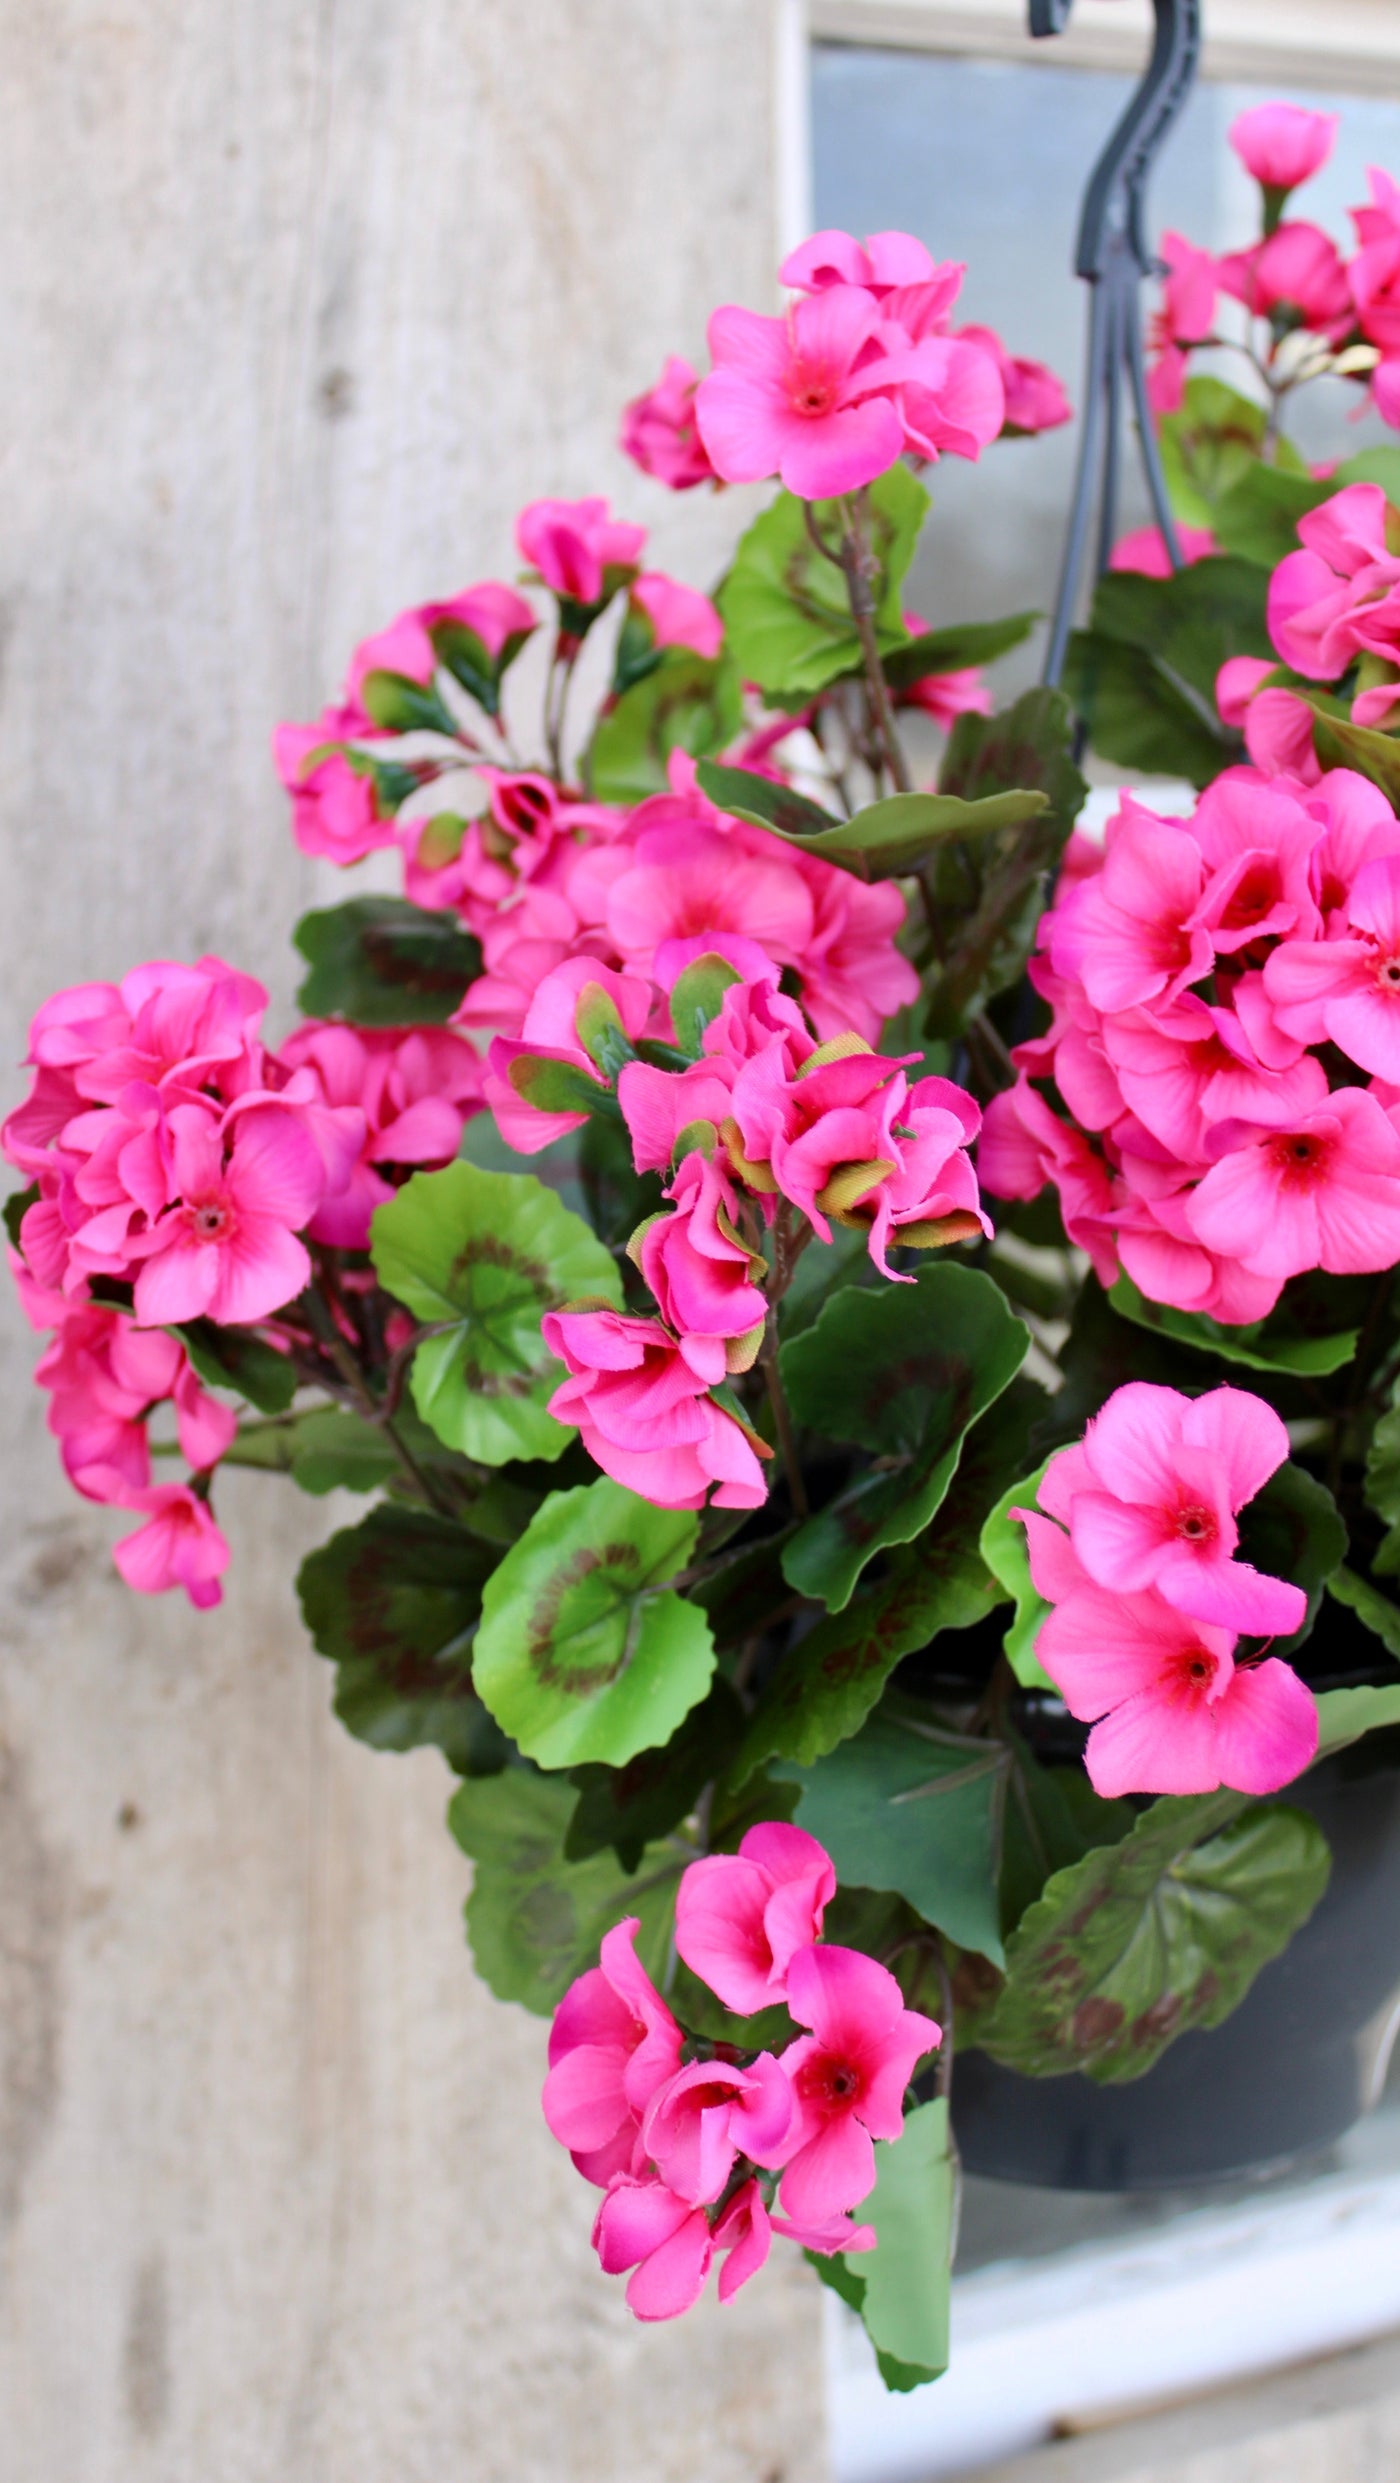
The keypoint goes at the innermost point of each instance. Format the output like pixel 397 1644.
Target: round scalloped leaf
pixel 583 1652
pixel 481 1256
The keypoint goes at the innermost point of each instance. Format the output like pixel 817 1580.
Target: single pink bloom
pixel 806 397
pixel 613 2045
pixel 1034 398
pixel 643 2226
pixel 1323 1193
pixel 1128 936
pixel 1144 551
pixel 1298 270
pixel 335 807
pixel 851 974
pixel 741 1918
pixel 848 2077
pixel 1149 1500
pixel 1258 841
pixel 228 1251
pixel 687 881
pixel 883 263
pixel 1184 1072
pixel 579 549
pixel 659 430
pixel 679 616
pixel 640 1398
pixel 708 2114
pixel 951 398
pixel 701 1274
pixel 1282 145
pixel 179 1545
pixel 1347 990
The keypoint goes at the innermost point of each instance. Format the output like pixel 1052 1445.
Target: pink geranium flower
pixel 551 1032
pixel 640 1398
pixel 710 2113
pixel 701 1273
pixel 679 616
pixel 1034 398
pixel 1346 990
pixel 1281 144
pixel 579 549
pixel 1149 1500
pixel 742 1918
pixel 667 2243
pixel 659 431
pixel 806 397
pixel 848 2077
pixel 1185 318
pixel 1298 270
pixel 1129 935
pixel 335 804
pixel 179 1545
pixel 1340 595
pixel 408 1096
pixel 883 263
pixel 228 1250
pixel 1324 1192
pixel 613 2045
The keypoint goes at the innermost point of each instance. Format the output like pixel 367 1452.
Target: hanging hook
pixel 1113 256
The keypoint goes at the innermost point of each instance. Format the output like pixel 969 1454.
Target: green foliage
pixel 1346 1716
pixel 786 611
pixel 323 1450
pixel 1272 1344
pixel 16 1208
pixel 398 704
pixel 900 2289
pixel 626 1807
pixel 1143 674
pixel 1291 1530
pixel 1005 1550
pixel 1377 1611
pixel 1127 1949
pixel 987 898
pixel 584 1652
pixel 916 1810
pixel 955 649
pixel 904 1372
pixel 481 1256
pixel 470 663
pixel 1210 446
pixel 1340 743
pixel 379 961
pixel 394 1603
pixel 826 1684
pixel 1383 1483
pixel 884 841
pixel 534 1919
pixel 233 1358
pixel 685 702
pixel 1257 518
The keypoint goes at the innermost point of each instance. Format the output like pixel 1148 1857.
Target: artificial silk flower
pixel 848 2077
pixel 659 431
pixel 613 2046
pixel 679 617
pixel 179 1545
pixel 641 1400
pixel 741 1918
pixel 806 397
pixel 578 548
pixel 1282 144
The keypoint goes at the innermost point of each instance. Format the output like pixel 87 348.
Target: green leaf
pixel 1143 674
pixel 469 661
pixel 483 1256
pixel 957 648
pixel 1265 1345
pixel 235 1358
pixel 535 1920
pixel 1005 1550
pixel 1139 718
pixel 916 1811
pixel 697 996
pixel 323 1450
pixel 394 1603
pixel 990 897
pixel 1291 1530
pixel 379 961
pixel 1257 518
pixel 16 1208
pixel 905 2307
pixel 685 703
pixel 1208 447
pixel 398 704
pixel 905 1373
pixel 787 616
pixel 1345 1716
pixel 583 1652
pixel 628 1807
pixel 1340 743
pixel 1053 1818
pixel 1370 1606
pixel 826 1684
pixel 884 841
pixel 1142 1940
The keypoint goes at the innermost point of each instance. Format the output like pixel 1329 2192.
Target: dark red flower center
pixel 1388 974
pixel 1195 1524
pixel 1256 894
pixel 210 1222
pixel 1300 1158
pixel 830 2081
pixel 810 392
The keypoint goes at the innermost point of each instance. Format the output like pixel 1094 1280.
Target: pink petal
pixel 1149 1745
pixel 1266 1728
pixel 832 2173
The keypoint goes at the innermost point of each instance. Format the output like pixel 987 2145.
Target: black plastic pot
pixel 1300 2059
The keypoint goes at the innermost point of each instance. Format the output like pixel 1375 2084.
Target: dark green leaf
pixel 628 1807
pixel 469 662
pixel 1265 1345
pixel 1188 623
pixel 482 1256
pixel 379 961
pixel 535 1920
pixel 394 1603
pixel 957 648
pixel 912 1809
pixel 235 1358
pixel 1291 1530
pixel 786 611
pixel 1208 447
pixel 1139 718
pixel 685 703
pixel 1371 1607
pixel 1257 518
pixel 886 840
pixel 828 1682
pixel 16 1208
pixel 1142 1940
pixel 1340 743
pixel 989 896
pixel 400 705
pixel 1005 1550
pixel 1053 1818
pixel 1344 1716
pixel 904 1373
pixel 583 1652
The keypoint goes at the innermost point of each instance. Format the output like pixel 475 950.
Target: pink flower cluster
pixel 174 1155
pixel 1202 975
pixel 1293 276
pixel 764 1116
pixel 690 2142
pixel 863 369
pixel 1133 1543
pixel 1332 604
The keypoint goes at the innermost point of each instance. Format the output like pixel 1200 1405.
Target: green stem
pixel 861 565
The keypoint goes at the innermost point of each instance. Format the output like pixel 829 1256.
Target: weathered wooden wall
pixel 300 299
